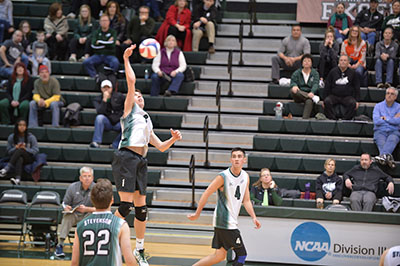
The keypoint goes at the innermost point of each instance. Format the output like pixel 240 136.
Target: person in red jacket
pixel 177 22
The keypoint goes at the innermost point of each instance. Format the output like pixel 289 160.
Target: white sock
pixel 139 243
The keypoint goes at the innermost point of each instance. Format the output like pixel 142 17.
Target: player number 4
pixel 237 193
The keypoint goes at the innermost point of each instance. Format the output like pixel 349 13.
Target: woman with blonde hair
pixel 328 185
pixel 356 48
pixel 265 191
pixel 82 38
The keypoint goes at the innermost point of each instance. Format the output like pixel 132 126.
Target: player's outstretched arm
pixel 217 183
pixel 165 145
pixel 75 251
pixel 125 243
pixel 130 80
pixel 249 207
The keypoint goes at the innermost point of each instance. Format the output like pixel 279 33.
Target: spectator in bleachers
pixel 56 27
pixel 385 55
pixel 386 117
pixel 39 53
pixel 118 23
pixel 363 180
pixel 98 8
pixel 6 18
pixel 264 191
pixel 356 49
pixel 46 94
pixel 177 23
pixel 342 87
pixel 204 20
pixel 393 20
pixel 76 204
pixel 27 36
pixel 75 7
pixel 328 186
pixel 370 22
pixel 304 85
pixel 290 52
pixel 154 9
pixel 328 54
pixel 109 107
pixel 79 45
pixel 103 47
pixel 140 28
pixel 340 22
pixel 169 65
pixel 18 96
pixel 12 52
pixel 22 147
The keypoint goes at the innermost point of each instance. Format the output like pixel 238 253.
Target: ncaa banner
pixel 319 11
pixel 317 242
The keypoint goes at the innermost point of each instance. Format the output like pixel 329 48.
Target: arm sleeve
pixel 339 189
pixel 306 47
pixel 253 195
pixel 100 105
pixel 77 31
pixel 156 63
pixel 48 26
pixel 315 84
pixel 276 198
pixel 378 51
pixel 9 90
pixel 171 15
pixel 294 79
pixel 318 188
pixel 376 116
pixel 393 53
pixel 63 28
pixel 282 48
pixel 54 98
pixel 10 14
pixel 28 91
pixel 356 84
pixel 68 196
pixel 36 97
pixel 148 28
pixel 34 148
pixel 182 63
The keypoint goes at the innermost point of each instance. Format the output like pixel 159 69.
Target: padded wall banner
pixel 319 11
pixel 317 242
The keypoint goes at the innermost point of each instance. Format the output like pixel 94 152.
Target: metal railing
pixel 230 55
pixel 241 43
pixel 192 179
pixel 205 139
pixel 218 103
pixel 253 16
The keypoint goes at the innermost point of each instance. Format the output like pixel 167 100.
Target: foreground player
pixel 100 237
pixel 230 198
pixel 129 166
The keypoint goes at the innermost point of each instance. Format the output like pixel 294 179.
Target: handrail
pixel 218 103
pixel 230 55
pixel 253 16
pixel 192 179
pixel 241 43
pixel 205 139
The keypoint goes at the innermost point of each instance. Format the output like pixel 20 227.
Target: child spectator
pixel 39 52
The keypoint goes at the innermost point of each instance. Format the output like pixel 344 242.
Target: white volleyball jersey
pixel 393 257
pixel 230 199
pixel 136 129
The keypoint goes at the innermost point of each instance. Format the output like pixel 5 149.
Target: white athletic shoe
pixel 140 257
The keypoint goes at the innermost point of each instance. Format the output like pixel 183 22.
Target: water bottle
pixel 47 242
pixel 278 110
pixel 146 74
pixel 307 191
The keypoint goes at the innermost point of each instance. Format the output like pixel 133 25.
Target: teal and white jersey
pixel 230 199
pixel 98 240
pixel 136 129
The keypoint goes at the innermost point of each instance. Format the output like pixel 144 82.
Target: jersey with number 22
pixel 230 199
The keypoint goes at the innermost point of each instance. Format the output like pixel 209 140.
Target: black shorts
pixel 227 238
pixel 130 171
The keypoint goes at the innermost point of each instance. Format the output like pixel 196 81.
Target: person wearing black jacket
pixel 342 87
pixel 328 185
pixel 363 180
pixel 328 54
pixel 203 23
pixel 370 22
pixel 109 108
pixel 18 96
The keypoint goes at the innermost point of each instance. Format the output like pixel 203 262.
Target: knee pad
pixel 125 208
pixel 141 213
pixel 241 255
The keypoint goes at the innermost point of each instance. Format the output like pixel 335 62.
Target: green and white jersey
pixel 98 240
pixel 136 129
pixel 230 199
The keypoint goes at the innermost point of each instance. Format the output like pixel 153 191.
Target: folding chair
pixel 41 219
pixel 13 204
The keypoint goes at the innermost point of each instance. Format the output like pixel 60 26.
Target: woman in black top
pixel 328 185
pixel 328 53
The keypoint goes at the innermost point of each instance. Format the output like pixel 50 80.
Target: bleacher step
pixel 261 45
pixel 250 59
pixel 238 88
pixel 259 74
pixel 233 105
pixel 237 122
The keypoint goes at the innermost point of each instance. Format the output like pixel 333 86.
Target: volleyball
pixel 149 48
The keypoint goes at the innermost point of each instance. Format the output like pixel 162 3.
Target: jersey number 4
pixel 237 193
pixel 103 239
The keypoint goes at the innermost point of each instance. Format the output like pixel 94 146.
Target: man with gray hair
pixel 386 117
pixel 77 205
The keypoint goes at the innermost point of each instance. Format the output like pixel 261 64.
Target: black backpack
pixel 71 117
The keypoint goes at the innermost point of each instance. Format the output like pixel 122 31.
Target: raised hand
pixel 128 52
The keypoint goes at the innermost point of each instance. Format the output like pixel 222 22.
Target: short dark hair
pixel 366 153
pixel 101 194
pixel 306 56
pixel 238 149
pixel 296 25
pixel 146 7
